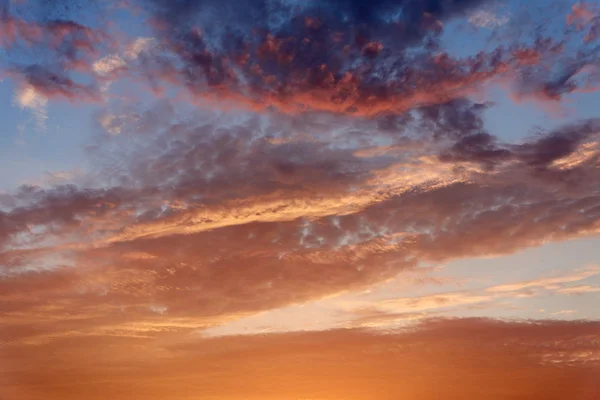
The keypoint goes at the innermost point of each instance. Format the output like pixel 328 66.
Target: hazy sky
pixel 299 199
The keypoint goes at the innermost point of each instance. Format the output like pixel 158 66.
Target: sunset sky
pixel 299 199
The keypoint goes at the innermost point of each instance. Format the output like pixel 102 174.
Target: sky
pixel 299 199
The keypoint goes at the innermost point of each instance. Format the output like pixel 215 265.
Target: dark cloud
pixel 454 119
pixel 253 14
pixel 549 148
pixel 340 56
pixel 478 147
pixel 361 58
pixel 461 139
pixel 462 122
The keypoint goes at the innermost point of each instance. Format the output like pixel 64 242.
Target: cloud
pixel 45 54
pixel 318 215
pixel 487 19
pixel 436 301
pixel 542 153
pixel 579 289
pixel 554 283
pixel 108 64
pixel 28 97
pixel 139 46
pixel 388 313
pixel 53 83
pixel 585 15
pixel 373 318
pixel 383 58
pixel 581 15
pixel 564 312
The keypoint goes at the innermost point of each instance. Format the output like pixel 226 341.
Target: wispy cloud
pixel 579 289
pixel 487 19
pixel 27 97
pixel 553 283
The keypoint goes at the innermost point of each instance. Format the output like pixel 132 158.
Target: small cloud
pixel 487 19
pixel 138 255
pixel 112 123
pixel 580 289
pixel 107 67
pixel 581 15
pixel 138 46
pixel 572 357
pixel 374 318
pixel 107 121
pixel 159 309
pixel 58 177
pixel 548 283
pixel 108 64
pixel 27 97
pixel 432 302
pixel 565 312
